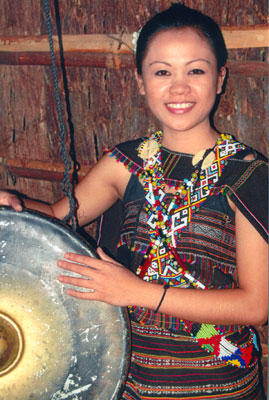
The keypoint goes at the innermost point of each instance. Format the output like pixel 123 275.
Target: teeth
pixel 179 105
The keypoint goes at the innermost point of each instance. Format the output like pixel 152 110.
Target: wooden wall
pixel 104 106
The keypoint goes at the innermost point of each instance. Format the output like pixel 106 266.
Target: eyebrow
pixel 160 62
pixel 169 65
pixel 198 59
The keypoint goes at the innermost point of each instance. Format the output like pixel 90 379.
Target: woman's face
pixel 180 80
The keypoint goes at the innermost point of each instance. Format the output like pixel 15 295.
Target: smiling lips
pixel 180 107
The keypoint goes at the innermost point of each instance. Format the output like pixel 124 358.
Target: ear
pixel 221 77
pixel 140 83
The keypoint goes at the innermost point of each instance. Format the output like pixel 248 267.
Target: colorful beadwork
pixel 166 219
pixel 211 339
pixel 220 341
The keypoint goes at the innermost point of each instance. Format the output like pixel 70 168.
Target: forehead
pixel 185 41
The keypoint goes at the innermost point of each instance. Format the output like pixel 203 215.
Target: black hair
pixel 180 16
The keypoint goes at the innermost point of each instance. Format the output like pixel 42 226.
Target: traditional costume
pixel 178 230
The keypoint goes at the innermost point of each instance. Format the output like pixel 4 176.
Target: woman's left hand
pixel 105 279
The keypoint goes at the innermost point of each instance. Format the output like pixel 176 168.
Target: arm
pixel 99 189
pixel 247 305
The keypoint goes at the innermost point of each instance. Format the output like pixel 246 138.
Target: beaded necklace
pixel 166 219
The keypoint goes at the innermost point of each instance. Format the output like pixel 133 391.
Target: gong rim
pixel 30 225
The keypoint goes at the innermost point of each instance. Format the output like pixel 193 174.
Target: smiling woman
pixel 180 80
pixel 195 207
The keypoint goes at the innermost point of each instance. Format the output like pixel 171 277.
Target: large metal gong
pixel 53 346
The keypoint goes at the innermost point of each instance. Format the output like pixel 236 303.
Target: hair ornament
pixel 135 39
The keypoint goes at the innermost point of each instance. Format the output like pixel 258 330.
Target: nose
pixel 179 85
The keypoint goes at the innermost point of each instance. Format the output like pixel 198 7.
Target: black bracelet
pixel 166 286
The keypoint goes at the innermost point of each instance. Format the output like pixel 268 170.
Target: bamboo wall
pixel 100 101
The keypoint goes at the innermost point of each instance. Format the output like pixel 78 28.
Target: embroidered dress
pixel 172 358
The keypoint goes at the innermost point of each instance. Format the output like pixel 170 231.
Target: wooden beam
pixel 235 38
pixel 115 61
pixel 32 169
pixel 244 37
pixel 71 43
pixel 115 51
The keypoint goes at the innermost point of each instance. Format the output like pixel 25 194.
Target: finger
pixel 80 282
pixel 16 204
pixel 80 295
pixel 79 258
pixel 92 262
pixel 78 269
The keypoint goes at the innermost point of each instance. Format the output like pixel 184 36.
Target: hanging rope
pixel 66 184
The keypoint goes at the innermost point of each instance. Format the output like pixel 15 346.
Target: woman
pixel 194 220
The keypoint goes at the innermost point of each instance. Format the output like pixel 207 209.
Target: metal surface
pixel 72 349
pixel 11 344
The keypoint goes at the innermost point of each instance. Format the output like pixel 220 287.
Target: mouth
pixel 179 106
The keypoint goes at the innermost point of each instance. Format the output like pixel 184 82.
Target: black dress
pixel 178 359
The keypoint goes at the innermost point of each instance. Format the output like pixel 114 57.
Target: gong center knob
pixel 11 344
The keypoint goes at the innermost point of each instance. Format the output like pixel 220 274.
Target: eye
pixel 196 71
pixel 162 72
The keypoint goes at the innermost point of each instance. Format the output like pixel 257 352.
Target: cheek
pixel 208 89
pixel 156 89
pixel 153 99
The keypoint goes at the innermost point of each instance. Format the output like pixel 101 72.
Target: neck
pixel 189 143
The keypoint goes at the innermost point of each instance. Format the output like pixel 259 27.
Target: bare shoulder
pixel 103 185
pixel 112 174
